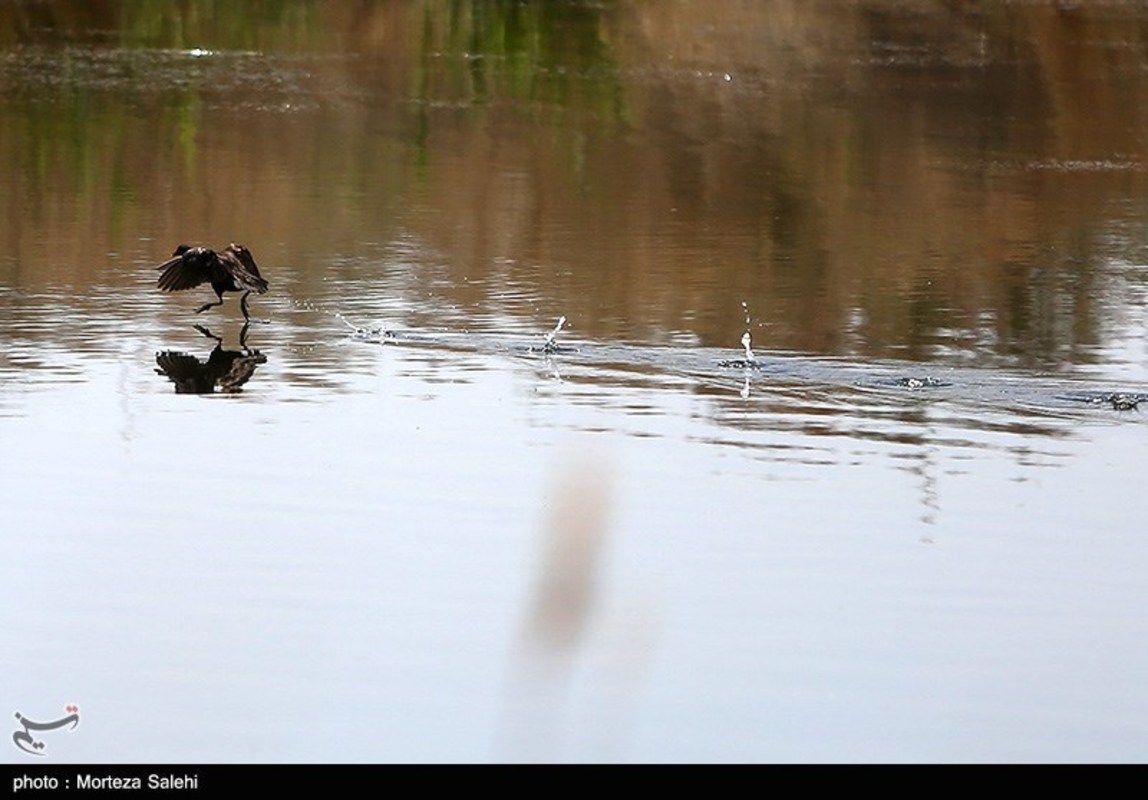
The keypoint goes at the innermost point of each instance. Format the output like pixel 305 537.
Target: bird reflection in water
pixel 225 370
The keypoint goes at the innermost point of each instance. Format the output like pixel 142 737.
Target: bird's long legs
pixel 246 315
pixel 206 306
pixel 242 306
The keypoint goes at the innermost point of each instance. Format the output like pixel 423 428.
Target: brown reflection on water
pixel 922 180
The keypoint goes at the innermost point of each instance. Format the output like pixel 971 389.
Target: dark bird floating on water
pixel 232 270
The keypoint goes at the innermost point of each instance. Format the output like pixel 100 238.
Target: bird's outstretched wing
pixel 244 269
pixel 195 266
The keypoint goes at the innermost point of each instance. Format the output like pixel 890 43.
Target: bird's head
pixel 183 248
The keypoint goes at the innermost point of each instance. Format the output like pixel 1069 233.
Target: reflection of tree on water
pixel 226 369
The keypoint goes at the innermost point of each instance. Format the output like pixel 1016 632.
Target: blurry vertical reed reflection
pixel 560 702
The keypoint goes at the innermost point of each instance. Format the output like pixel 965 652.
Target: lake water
pixel 393 521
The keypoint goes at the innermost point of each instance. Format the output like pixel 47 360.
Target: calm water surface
pixel 388 524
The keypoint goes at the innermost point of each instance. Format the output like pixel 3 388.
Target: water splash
pixel 747 338
pixel 551 340
pixel 377 334
pixel 551 345
pixel 1120 401
pixel 915 382
pixel 746 342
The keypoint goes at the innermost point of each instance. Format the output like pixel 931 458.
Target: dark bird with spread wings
pixel 231 270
